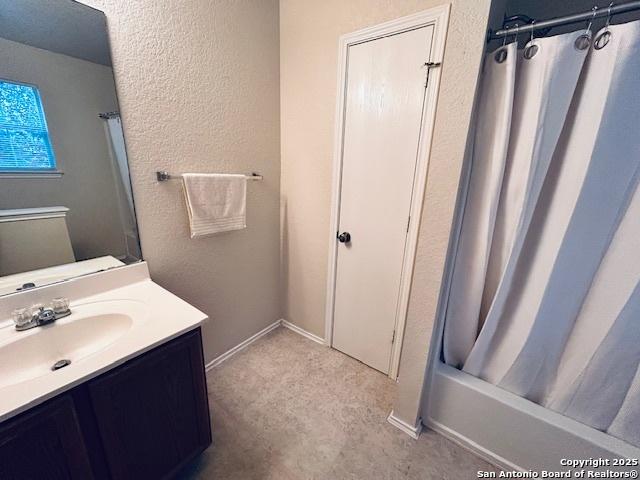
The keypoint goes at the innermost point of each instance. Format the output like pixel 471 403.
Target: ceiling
pixel 61 26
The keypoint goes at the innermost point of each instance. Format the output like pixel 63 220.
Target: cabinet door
pixel 44 444
pixel 152 413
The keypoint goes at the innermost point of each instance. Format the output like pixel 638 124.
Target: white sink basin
pixel 116 315
pixel 91 328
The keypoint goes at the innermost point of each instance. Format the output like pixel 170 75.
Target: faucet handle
pixel 60 305
pixel 21 317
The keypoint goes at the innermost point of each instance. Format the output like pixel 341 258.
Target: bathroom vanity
pixel 144 419
pixel 132 401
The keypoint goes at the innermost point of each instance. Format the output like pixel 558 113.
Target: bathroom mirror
pixel 66 204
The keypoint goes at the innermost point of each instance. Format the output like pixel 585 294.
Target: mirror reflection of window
pixel 66 203
pixel 24 136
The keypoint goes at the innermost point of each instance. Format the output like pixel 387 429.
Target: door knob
pixel 344 237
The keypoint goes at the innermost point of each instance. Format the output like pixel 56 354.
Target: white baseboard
pixel 221 358
pixel 411 430
pixel 303 332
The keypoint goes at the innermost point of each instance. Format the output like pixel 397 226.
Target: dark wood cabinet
pixel 45 443
pixel 152 414
pixel 143 420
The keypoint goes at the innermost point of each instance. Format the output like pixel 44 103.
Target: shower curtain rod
pixel 108 115
pixel 568 19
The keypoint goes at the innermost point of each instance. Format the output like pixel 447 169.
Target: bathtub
pixel 509 431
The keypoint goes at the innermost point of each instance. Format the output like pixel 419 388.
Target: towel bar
pixel 163 176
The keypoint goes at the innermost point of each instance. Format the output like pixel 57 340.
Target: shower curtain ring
pixel 593 16
pixel 584 41
pixel 501 54
pixel 533 25
pixel 608 22
pixel 605 36
pixel 531 49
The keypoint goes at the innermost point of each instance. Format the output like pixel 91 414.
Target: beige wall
pixel 73 92
pixel 198 84
pixel 309 32
pixel 210 69
pixel 33 244
pixel 431 271
pixel 308 47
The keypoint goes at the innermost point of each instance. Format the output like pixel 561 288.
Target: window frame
pixel 54 172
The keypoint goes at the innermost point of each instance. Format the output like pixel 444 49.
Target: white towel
pixel 215 202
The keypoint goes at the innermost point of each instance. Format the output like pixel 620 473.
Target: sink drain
pixel 60 364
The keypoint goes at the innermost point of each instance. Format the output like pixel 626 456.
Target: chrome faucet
pixel 39 315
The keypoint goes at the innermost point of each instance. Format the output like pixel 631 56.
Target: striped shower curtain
pixel 545 294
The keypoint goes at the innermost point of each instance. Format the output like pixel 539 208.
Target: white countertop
pixel 45 276
pixel 159 317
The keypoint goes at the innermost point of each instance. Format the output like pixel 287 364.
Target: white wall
pixel 73 92
pixel 198 84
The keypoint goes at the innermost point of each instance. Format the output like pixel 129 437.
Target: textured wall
pixel 198 84
pixel 308 47
pixel 210 70
pixel 461 67
pixel 73 92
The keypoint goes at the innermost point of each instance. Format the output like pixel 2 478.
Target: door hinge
pixel 429 66
pixel 408 223
pixel 393 337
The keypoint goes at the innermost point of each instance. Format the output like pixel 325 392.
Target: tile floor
pixel 287 408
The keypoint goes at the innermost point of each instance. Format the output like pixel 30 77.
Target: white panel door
pixel 383 117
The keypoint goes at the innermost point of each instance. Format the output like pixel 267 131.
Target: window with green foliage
pixel 25 145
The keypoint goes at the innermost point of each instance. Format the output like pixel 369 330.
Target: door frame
pixel 438 17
